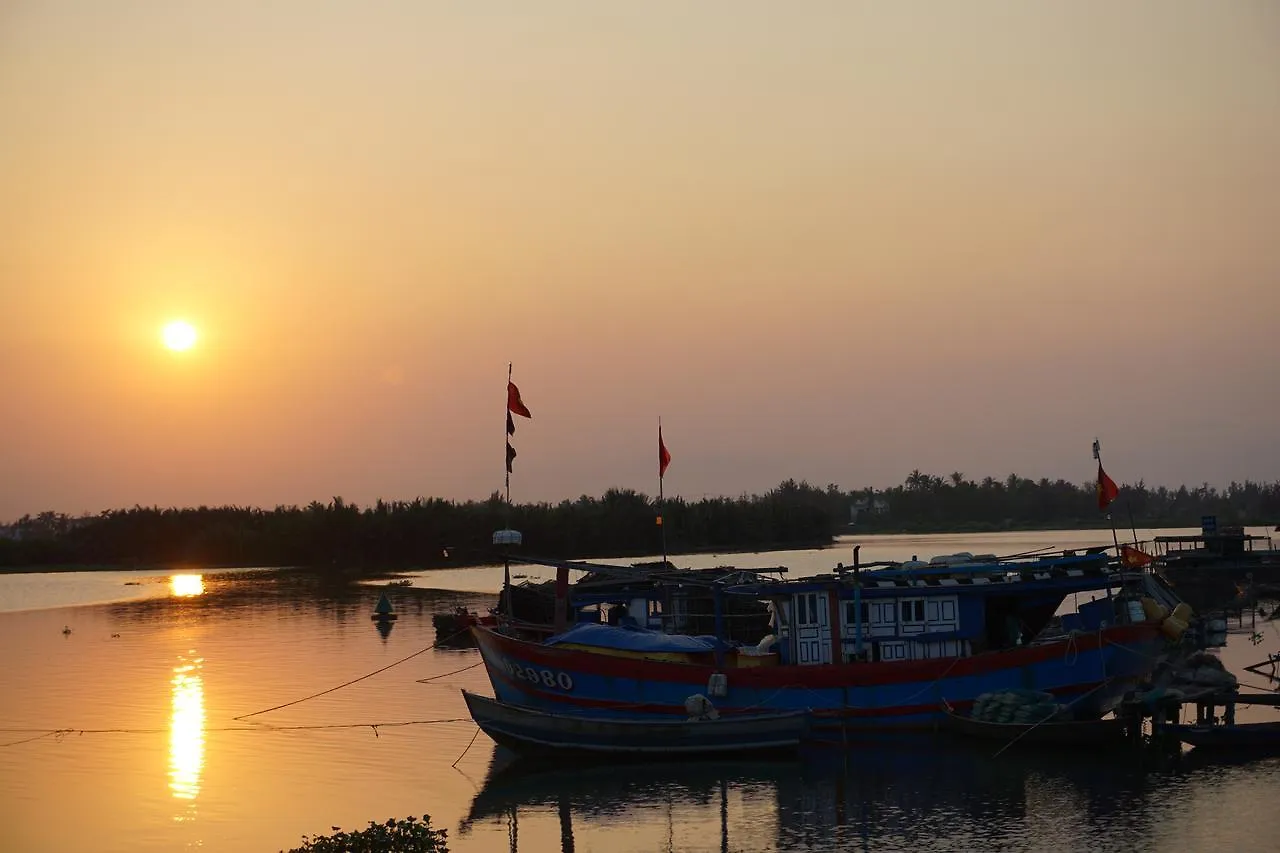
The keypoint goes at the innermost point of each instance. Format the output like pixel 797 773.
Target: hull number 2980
pixel 549 678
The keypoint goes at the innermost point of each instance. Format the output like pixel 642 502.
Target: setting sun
pixel 179 335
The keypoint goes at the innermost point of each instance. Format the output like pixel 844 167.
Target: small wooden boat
pixel 527 730
pixel 1258 736
pixel 1070 733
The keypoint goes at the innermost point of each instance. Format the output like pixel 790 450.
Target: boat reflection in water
pixel 186 586
pixel 186 729
pixel 910 791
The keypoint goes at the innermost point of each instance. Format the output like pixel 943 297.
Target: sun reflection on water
pixel 186 729
pixel 185 586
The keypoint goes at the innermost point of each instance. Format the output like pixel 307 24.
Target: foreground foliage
pixel 410 835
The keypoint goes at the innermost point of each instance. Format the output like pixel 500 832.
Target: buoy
pixel 382 612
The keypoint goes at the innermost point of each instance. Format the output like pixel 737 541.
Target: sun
pixel 179 335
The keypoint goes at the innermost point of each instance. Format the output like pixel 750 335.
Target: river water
pixel 143 677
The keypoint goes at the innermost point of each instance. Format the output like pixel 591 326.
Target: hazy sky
pixel 825 240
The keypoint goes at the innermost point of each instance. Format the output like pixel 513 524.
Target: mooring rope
pixel 354 680
pixel 475 735
pixel 257 727
pixel 431 678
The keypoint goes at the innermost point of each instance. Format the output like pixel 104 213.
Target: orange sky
pixel 836 241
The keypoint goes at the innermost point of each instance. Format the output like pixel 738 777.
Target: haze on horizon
pixel 833 241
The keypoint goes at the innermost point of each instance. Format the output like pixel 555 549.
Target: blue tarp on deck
pixel 633 639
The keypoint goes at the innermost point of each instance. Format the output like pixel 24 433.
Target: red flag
pixel 514 403
pixel 1107 489
pixel 664 457
pixel 1132 558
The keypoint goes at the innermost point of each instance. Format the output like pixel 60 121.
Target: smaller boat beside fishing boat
pixel 1211 732
pixel 1227 736
pixel 703 732
pixel 1040 726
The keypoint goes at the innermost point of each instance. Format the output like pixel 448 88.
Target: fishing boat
pixel 527 730
pixel 1217 566
pixel 867 649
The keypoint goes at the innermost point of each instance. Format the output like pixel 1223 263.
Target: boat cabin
pixel 948 607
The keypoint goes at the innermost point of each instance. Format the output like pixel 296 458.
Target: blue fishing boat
pixel 867 648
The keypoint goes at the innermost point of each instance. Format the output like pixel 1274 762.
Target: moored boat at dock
pixel 868 648
pixel 1216 567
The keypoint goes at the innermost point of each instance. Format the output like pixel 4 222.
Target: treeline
pixel 425 533
pixel 431 533
pixel 930 503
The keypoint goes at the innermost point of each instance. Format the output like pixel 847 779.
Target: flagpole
pixel 506 440
pixel 662 527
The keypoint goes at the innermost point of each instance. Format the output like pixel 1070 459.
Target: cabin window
pixel 942 611
pixel 810 609
pixel 851 613
pixel 912 609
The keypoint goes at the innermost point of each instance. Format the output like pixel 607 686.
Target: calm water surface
pixel 155 669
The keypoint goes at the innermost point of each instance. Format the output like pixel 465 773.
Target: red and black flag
pixel 664 455
pixel 515 404
pixel 511 455
pixel 1107 488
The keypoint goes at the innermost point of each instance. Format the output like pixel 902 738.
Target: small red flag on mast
pixel 664 455
pixel 514 403
pixel 1107 489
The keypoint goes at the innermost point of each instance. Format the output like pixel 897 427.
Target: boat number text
pixel 546 677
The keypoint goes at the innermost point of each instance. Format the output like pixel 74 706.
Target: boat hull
pixel 1257 736
pixel 1075 733
pixel 1091 672
pixel 529 731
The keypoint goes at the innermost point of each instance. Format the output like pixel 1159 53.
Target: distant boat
pixel 1211 569
pixel 526 730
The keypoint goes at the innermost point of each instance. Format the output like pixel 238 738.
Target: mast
pixel 506 536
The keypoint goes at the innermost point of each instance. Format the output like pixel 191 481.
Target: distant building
pixel 868 506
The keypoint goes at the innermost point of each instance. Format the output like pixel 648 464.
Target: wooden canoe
pixel 527 730
pixel 1104 732
pixel 1259 736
